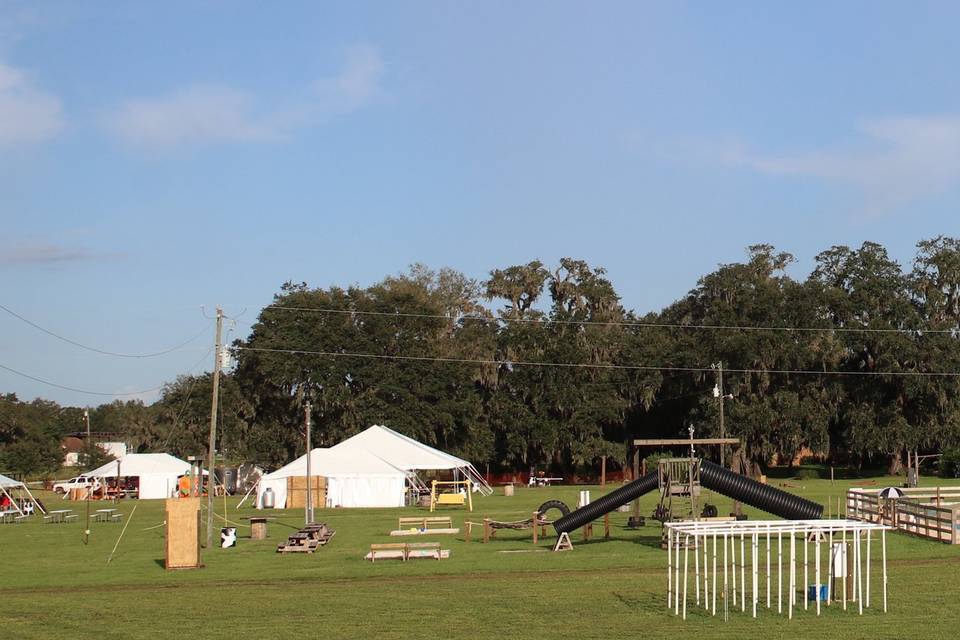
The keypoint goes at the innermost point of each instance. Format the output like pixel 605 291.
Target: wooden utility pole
pixel 86 529
pixel 211 455
pixel 719 394
pixel 308 515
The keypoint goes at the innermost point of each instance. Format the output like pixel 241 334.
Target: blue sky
pixel 160 157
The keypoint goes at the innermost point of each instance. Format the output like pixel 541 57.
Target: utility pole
pixel 86 529
pixel 718 394
pixel 308 515
pixel 211 456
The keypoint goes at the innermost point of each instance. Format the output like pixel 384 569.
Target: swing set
pixel 455 497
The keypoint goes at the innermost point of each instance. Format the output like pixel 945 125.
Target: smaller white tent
pixel 354 479
pixel 157 472
pixel 408 454
pixel 9 487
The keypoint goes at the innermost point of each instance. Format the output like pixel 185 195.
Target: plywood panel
pixel 297 492
pixel 183 533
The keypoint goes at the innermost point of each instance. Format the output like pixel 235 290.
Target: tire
pixel 553 504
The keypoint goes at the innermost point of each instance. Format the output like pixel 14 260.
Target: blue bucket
pixel 812 593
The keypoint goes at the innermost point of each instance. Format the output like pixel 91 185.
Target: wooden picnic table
pixel 7 517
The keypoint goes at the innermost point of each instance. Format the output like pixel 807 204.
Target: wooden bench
pixel 424 550
pixel 388 550
pixel 406 551
pixel 423 526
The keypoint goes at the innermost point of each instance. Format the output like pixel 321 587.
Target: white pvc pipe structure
pixel 702 539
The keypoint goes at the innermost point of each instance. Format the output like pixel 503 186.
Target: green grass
pixel 52 585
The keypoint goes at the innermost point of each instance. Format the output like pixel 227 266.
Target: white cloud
pixel 900 160
pixel 197 114
pixel 203 115
pixel 27 115
pixel 357 84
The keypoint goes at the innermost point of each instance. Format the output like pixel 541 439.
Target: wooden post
pixel 536 514
pixel 603 471
pixel 587 531
pixel 606 525
pixel 486 530
pixel 467 530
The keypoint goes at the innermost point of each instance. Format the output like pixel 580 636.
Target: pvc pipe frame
pixel 704 540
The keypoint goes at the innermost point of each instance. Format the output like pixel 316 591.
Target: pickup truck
pixel 80 482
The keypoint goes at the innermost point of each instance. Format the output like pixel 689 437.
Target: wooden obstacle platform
pixel 406 551
pixel 182 547
pixel 418 526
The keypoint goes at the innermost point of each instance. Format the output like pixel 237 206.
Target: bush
pixel 950 464
pixel 808 474
pixel 653 460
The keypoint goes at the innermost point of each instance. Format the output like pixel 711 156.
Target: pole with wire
pixel 214 402
pixel 308 511
pixel 86 529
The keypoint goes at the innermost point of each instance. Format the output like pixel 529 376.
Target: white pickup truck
pixel 80 482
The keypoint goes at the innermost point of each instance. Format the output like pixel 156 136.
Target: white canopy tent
pixel 355 478
pixel 9 486
pixel 157 472
pixel 410 455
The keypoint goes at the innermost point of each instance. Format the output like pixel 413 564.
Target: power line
pixel 103 351
pixel 575 365
pixel 93 393
pixel 600 323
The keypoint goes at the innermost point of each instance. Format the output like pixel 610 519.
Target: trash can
pixel 508 489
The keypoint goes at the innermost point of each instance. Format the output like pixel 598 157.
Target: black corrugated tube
pixel 606 504
pixel 762 496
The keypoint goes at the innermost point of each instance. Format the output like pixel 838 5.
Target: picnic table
pixel 59 516
pixel 7 517
pixel 106 515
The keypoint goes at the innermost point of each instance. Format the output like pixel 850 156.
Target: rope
pixel 519 524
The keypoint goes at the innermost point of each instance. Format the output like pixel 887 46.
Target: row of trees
pixel 543 365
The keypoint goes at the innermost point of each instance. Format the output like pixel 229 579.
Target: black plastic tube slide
pixel 756 494
pixel 606 504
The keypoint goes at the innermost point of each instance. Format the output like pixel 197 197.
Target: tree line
pixel 542 366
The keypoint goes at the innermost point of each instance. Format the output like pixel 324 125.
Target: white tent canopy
pixel 8 486
pixel 355 478
pixel 408 454
pixel 157 472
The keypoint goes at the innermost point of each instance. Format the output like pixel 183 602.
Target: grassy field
pixel 52 585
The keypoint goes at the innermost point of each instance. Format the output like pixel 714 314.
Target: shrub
pixel 808 474
pixel 950 464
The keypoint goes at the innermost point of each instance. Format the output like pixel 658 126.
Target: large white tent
pixel 9 487
pixel 408 454
pixel 157 472
pixel 355 478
